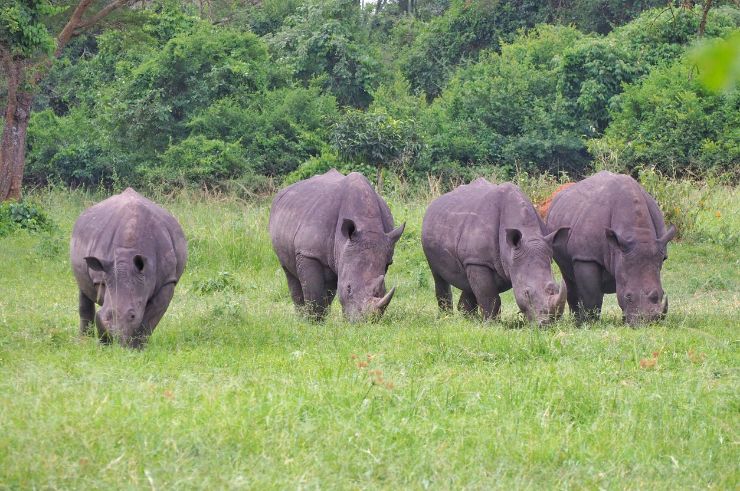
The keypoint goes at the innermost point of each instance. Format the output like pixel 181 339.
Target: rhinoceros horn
pixel 382 303
pixel 664 309
pixel 558 302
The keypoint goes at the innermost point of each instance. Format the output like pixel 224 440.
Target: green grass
pixel 235 391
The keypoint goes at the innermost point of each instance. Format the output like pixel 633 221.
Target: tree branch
pixel 77 24
pixel 68 30
pixel 103 12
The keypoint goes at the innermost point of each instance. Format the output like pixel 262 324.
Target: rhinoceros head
pixel 539 298
pixel 126 283
pixel 638 259
pixel 361 268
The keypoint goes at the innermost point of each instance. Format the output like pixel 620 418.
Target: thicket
pixel 254 95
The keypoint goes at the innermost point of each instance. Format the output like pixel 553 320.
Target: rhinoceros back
pixel 127 220
pixel 305 216
pixel 604 200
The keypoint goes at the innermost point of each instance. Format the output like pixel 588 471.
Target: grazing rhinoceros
pixel 618 243
pixel 484 239
pixel 333 233
pixel 127 255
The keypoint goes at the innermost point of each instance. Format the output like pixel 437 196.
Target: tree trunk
pixel 13 146
pixel 705 12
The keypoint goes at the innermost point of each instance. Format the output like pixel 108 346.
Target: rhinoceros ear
pixel 613 239
pixel 513 237
pixel 558 238
pixel 395 234
pixel 667 236
pixel 348 228
pixel 94 264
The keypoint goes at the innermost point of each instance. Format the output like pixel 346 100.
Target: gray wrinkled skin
pixel 334 234
pixel 127 254
pixel 485 239
pixel 618 243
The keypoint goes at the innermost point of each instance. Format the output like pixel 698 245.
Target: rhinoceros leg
pixel 483 283
pixel 155 309
pixel 296 292
pixel 467 304
pixel 590 296
pixel 315 293
pixel 443 292
pixel 87 314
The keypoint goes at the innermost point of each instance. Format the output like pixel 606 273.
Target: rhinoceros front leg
pixel 315 293
pixel 443 293
pixel 87 314
pixel 588 285
pixel 483 283
pixel 155 309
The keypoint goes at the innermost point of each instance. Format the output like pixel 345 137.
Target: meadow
pixel 234 390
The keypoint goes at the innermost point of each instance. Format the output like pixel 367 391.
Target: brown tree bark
pixel 705 12
pixel 23 74
pixel 13 146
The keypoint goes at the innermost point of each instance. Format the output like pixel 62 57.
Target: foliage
pixel 718 63
pixel 23 215
pixel 22 26
pixel 199 161
pixel 506 110
pixel 671 121
pixel 460 34
pixel 326 42
pixel 322 83
pixel 375 138
pixel 192 70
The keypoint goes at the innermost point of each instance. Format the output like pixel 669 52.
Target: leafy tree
pixel 327 42
pixel 672 122
pixel 27 48
pixel 377 139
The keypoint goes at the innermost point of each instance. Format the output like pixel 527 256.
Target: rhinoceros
pixel 127 255
pixel 334 234
pixel 485 239
pixel 618 243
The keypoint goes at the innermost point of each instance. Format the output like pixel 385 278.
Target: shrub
pixel 23 215
pixel 673 123
pixel 198 160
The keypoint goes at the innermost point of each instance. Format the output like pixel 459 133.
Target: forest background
pixel 245 96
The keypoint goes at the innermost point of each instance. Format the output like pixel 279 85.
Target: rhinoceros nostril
pixel 551 288
pixel 654 296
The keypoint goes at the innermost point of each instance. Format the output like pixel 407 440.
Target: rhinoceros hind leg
pixel 316 295
pixel 482 281
pixel 467 304
pixel 588 285
pixel 296 292
pixel 443 292
pixel 87 314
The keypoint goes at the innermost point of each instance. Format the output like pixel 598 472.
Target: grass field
pixel 235 391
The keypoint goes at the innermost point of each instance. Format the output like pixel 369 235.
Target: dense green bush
pixel 507 110
pixel 199 161
pixel 187 75
pixel 173 96
pixel 460 34
pixel 672 122
pixel 327 43
pixel 23 215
